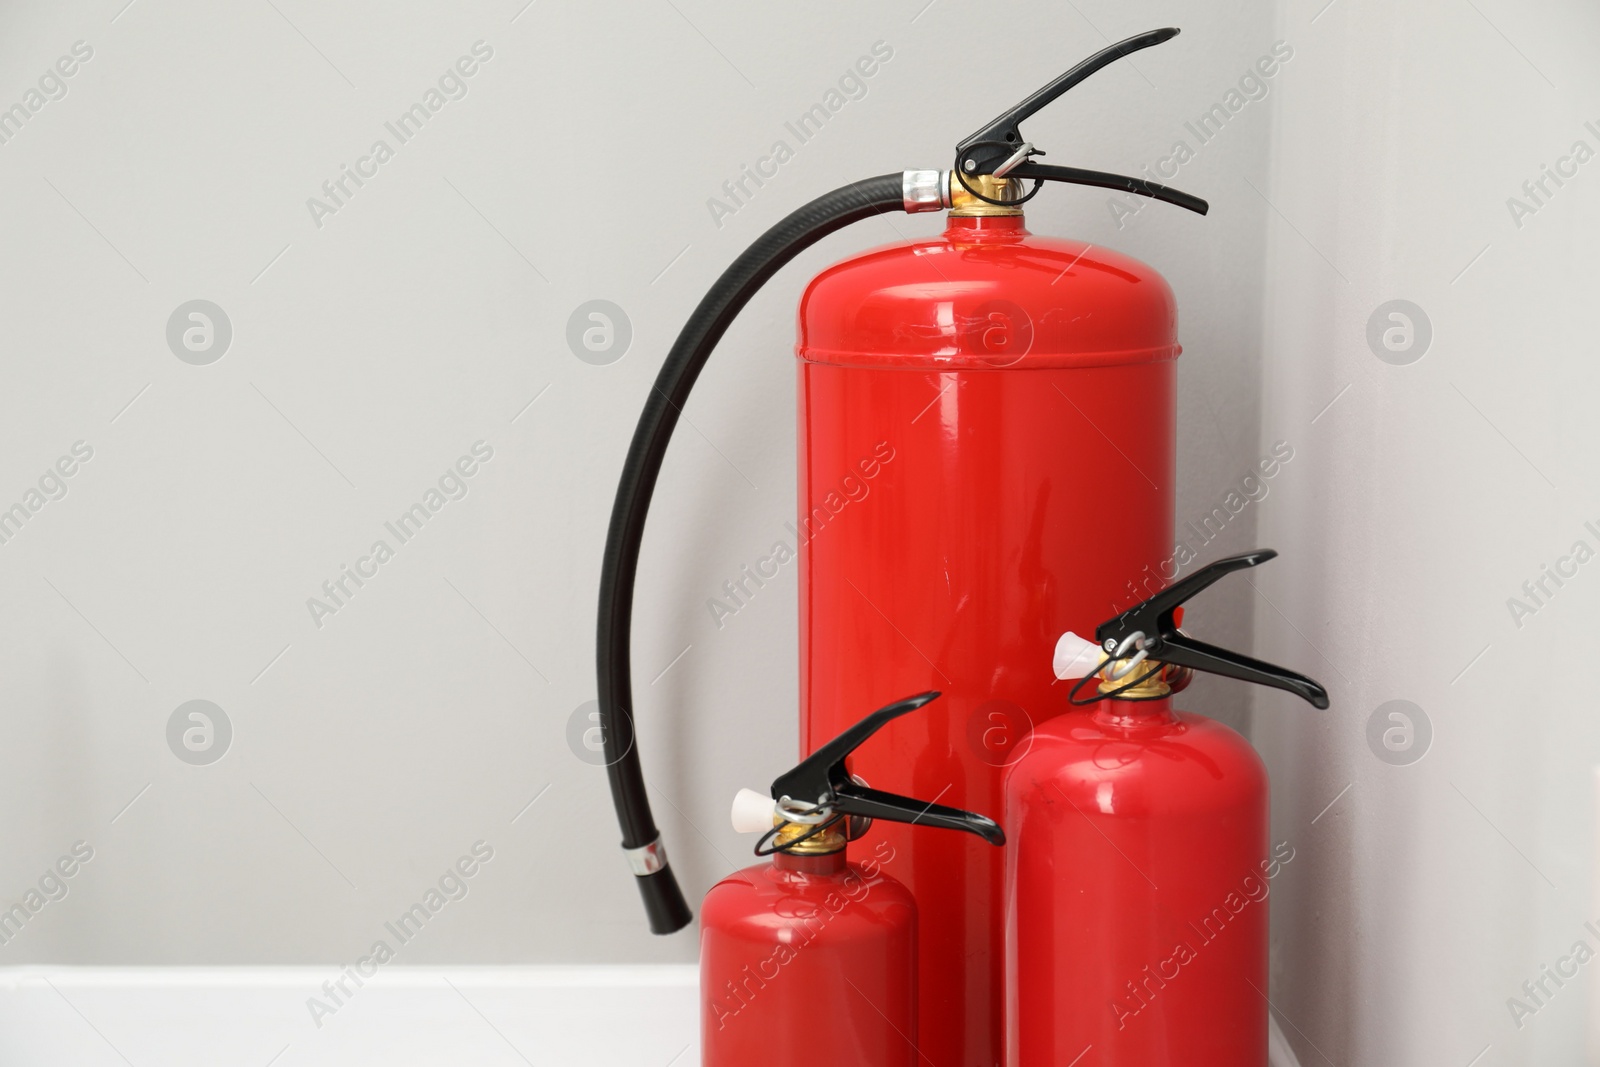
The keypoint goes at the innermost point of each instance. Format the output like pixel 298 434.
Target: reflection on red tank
pixel 808 960
pixel 1010 399
pixel 1139 874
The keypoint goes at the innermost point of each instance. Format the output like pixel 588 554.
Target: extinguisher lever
pixel 999 149
pixel 1151 626
pixel 823 780
pixel 1154 617
pixel 986 149
pixel 823 772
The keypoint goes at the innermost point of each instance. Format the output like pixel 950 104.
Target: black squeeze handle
pixel 1154 618
pixel 988 149
pixel 822 778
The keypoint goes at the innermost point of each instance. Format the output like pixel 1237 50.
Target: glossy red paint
pixel 1138 874
pixel 809 960
pixel 986 460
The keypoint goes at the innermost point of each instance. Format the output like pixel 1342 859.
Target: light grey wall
pixel 370 352
pixel 1424 894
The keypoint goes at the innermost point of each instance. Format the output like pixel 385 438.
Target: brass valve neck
pixel 828 841
pixel 963 205
pixel 1152 688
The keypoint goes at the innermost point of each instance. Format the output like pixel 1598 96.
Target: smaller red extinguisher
pixel 1138 876
pixel 811 958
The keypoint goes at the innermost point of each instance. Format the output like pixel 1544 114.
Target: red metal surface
pixel 986 460
pixel 1138 871
pixel 806 961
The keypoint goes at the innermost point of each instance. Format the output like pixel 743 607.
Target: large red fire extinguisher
pixel 962 387
pixel 1140 865
pixel 954 395
pixel 811 959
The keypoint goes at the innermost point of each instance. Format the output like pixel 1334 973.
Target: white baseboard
pixel 600 1016
pixel 403 1016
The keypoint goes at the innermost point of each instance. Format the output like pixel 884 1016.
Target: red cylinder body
pixel 1138 872
pixel 806 961
pixel 968 406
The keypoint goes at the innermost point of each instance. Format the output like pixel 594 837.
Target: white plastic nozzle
pixel 1076 657
pixel 753 812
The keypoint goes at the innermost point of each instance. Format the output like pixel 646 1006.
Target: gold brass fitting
pixel 1147 689
pixel 830 840
pixel 963 205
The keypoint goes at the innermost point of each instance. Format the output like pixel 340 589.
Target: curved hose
pixel 663 899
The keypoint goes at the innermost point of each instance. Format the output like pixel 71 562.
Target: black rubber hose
pixel 663 900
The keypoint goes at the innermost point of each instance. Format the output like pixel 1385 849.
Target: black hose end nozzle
pixel 664 904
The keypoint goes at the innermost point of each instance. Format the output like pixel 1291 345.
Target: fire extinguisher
pixel 953 391
pixel 1140 864
pixel 811 959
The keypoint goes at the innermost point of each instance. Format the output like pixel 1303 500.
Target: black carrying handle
pixel 1102 180
pixel 1154 618
pixel 876 804
pixel 822 778
pixel 988 149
